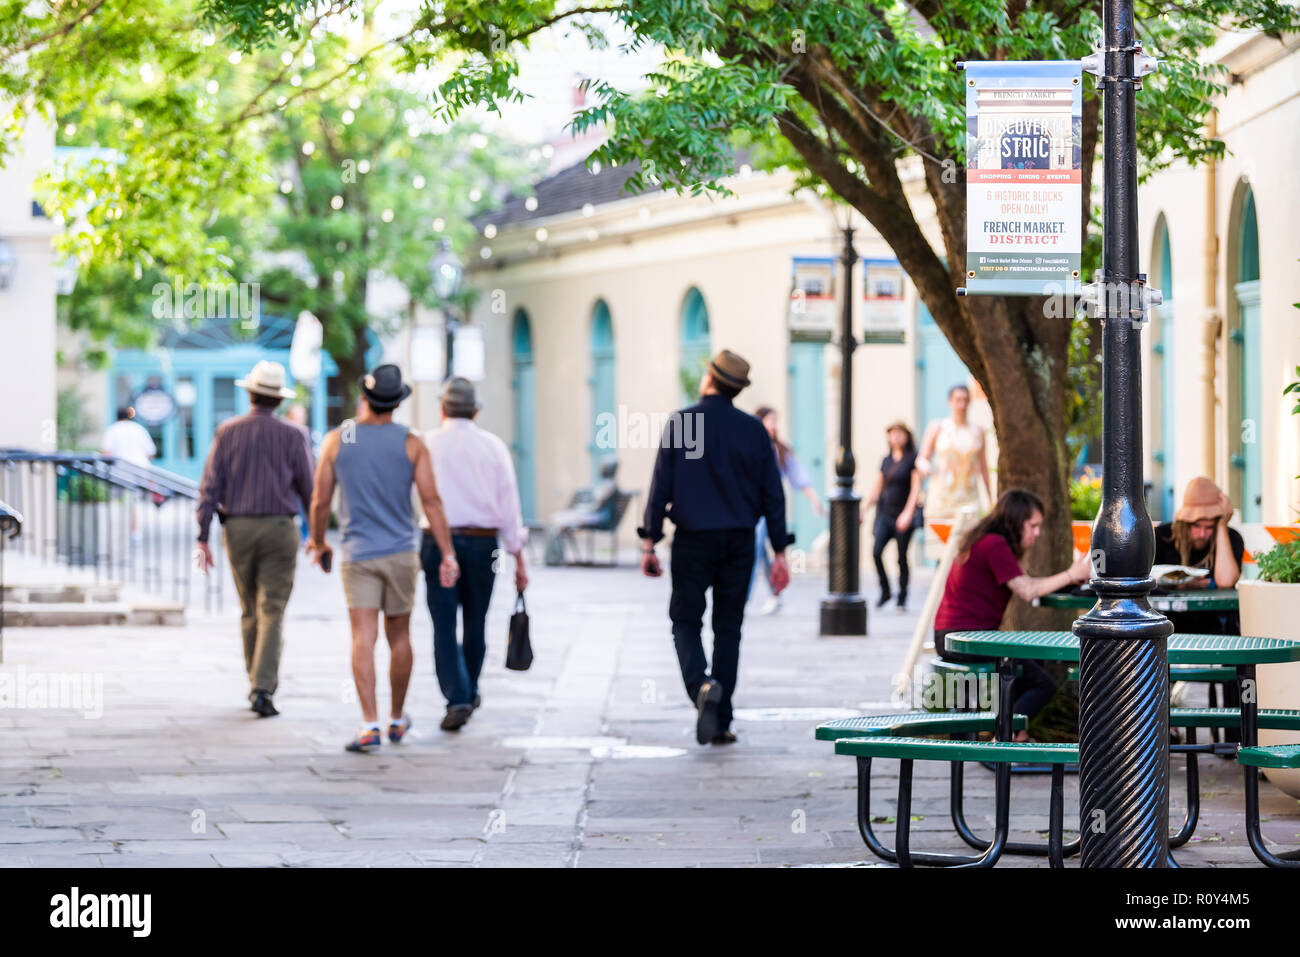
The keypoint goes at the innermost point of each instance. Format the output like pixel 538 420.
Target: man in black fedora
pixel 374 462
pixel 715 475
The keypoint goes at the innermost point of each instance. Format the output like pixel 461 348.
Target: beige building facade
pixel 28 416
pixel 1222 241
pixel 759 268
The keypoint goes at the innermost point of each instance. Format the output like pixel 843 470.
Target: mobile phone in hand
pixel 326 560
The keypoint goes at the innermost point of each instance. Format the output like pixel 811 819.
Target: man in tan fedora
pixel 258 475
pixel 715 475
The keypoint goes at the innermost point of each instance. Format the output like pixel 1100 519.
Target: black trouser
pixel 884 530
pixel 1030 692
pixel 721 560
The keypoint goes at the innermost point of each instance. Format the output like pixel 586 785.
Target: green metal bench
pixel 1214 719
pixel 1000 753
pixel 913 722
pixel 1267 756
pixel 916 723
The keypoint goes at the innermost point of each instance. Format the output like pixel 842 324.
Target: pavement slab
pixel 586 760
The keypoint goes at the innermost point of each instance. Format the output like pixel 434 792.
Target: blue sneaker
pixel 397 729
pixel 368 739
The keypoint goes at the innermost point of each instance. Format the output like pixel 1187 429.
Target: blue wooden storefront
pixel 199 366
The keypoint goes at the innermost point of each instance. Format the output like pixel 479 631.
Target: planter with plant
pixel 1268 609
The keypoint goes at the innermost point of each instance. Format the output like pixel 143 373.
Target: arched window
pixel 1162 349
pixel 695 342
pixel 1245 362
pixel 603 412
pixel 523 384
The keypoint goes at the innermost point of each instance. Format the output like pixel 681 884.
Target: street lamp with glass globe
pixel 446 272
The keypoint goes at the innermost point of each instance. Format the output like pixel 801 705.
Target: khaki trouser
pixel 263 554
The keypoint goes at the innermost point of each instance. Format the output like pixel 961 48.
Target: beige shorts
pixel 387 582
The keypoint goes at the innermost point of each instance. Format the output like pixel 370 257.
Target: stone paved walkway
pixel 586 760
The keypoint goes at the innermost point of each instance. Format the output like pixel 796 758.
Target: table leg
pixel 1006 678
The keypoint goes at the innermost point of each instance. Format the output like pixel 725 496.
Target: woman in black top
pixel 897 488
pixel 1199 537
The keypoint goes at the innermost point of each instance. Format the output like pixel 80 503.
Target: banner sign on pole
pixel 1023 179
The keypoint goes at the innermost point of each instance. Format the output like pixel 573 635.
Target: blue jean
pixel 762 559
pixel 458 663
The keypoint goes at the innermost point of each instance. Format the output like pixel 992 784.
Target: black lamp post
pixel 446 272
pixel 1123 654
pixel 844 610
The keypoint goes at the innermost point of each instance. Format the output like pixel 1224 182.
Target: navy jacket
pixel 716 469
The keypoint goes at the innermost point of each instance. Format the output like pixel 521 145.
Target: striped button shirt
pixel 258 465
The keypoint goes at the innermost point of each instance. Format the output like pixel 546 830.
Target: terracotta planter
pixel 1268 610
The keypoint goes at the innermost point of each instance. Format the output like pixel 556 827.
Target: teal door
pixel 1249 460
pixel 1162 347
pixel 938 369
pixel 1246 339
pixel 524 446
pixel 695 343
pixel 601 383
pixel 806 434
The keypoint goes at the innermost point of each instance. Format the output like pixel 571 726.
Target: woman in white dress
pixel 952 457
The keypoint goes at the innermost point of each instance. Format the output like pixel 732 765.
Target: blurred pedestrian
pixel 257 477
pixel 374 462
pixel 953 458
pixel 793 472
pixel 895 495
pixel 481 498
pixel 129 441
pixel 714 489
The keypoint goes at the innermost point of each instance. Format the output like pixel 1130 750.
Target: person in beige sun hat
pixel 267 378
pixel 1199 535
pixel 257 478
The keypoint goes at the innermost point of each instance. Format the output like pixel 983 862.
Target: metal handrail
pixel 116 471
pixel 88 510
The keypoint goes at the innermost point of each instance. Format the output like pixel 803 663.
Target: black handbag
pixel 519 650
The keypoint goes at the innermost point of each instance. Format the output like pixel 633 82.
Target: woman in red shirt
pixel 984 576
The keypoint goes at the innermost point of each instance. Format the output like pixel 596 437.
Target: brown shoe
pixel 724 737
pixel 456 717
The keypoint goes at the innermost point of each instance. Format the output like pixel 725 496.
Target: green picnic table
pixel 1240 651
pixel 1191 599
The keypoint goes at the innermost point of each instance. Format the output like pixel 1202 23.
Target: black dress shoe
pixel 884 598
pixel 263 705
pixel 456 717
pixel 708 724
pixel 725 737
pixel 902 599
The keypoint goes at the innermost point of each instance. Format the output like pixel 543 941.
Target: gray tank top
pixel 375 477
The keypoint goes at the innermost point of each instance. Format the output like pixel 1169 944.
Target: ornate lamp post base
pixel 844 615
pixel 844 610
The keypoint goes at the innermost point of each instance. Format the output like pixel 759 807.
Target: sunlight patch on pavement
pixel 794 714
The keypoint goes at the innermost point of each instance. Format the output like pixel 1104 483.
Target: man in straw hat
pixel 714 488
pixel 479 491
pixel 258 473
pixel 374 462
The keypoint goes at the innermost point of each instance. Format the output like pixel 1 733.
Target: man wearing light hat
pixel 258 473
pixel 477 480
pixel 714 489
